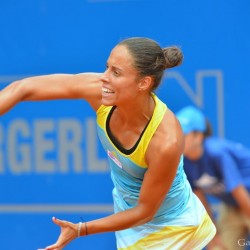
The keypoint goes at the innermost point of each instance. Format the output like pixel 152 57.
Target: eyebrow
pixel 116 68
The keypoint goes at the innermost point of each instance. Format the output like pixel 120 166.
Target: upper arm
pixel 163 157
pixel 57 86
pixel 65 86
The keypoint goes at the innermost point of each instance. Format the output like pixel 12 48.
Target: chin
pixel 107 102
pixel 193 157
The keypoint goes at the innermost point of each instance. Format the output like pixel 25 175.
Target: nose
pixel 104 76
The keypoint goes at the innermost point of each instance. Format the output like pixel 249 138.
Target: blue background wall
pixel 51 163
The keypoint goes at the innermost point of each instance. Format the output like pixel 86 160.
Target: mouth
pixel 107 91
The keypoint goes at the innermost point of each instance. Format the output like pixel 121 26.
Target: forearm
pixel 245 205
pixel 246 211
pixel 45 87
pixel 31 88
pixel 245 208
pixel 120 221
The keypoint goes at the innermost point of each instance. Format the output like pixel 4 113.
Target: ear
pixel 145 83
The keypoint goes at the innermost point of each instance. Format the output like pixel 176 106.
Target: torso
pixel 124 136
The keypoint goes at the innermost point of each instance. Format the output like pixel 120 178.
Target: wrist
pixel 80 227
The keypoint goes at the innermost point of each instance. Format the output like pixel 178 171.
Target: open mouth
pixel 107 91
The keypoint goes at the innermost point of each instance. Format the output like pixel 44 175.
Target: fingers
pixel 62 223
pixel 58 222
pixel 65 236
pixel 52 247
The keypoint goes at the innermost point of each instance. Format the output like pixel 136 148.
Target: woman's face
pixel 120 80
pixel 193 149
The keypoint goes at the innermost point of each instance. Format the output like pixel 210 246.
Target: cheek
pixel 127 89
pixel 186 148
pixel 188 145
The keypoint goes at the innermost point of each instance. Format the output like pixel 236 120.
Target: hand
pixel 68 233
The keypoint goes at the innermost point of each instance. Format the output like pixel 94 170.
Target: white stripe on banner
pixel 59 208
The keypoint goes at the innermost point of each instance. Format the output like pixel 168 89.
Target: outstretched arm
pixel 48 87
pixel 156 184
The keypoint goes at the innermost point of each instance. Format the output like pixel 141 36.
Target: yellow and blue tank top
pixel 181 213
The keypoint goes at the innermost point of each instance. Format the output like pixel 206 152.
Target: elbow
pixel 9 96
pixel 145 219
pixel 145 215
pixel 148 215
pixel 15 87
pixel 20 89
pixel 149 218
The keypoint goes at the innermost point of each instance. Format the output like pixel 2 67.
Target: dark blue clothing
pixel 223 166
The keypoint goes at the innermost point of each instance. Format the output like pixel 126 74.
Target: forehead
pixel 120 56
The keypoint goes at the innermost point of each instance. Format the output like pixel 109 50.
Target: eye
pixel 116 73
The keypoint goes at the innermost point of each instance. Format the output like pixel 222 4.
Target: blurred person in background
pixel 221 168
pixel 154 205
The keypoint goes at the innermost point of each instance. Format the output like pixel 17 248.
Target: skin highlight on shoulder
pixel 168 138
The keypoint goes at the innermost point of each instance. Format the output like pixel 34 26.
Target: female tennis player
pixel 154 206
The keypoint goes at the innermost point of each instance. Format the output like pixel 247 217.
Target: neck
pixel 136 112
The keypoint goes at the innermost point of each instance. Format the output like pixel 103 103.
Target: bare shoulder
pixel 168 140
pixel 164 153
